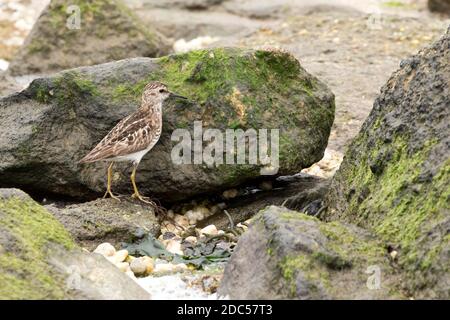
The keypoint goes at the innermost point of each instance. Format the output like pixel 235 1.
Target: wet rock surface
pixel 68 113
pixel 394 179
pixel 106 220
pixel 289 255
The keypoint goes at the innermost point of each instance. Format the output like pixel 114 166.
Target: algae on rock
pixel 395 177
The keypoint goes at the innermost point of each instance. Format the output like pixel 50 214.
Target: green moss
pixel 315 273
pixel 389 195
pixel 24 273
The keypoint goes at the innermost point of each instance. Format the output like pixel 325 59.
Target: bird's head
pixel 156 91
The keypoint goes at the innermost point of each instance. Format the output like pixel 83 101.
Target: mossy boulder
pixel 40 260
pixel 289 255
pixel 63 116
pixel 107 31
pixel 395 177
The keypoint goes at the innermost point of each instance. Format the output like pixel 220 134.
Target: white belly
pixel 132 157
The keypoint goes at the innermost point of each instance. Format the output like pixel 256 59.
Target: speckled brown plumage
pixel 133 136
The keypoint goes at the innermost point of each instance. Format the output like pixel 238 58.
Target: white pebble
pixel 210 230
pixel 174 246
pixel 105 249
pixel 230 194
pixel 120 255
pixel 142 265
pixel 191 239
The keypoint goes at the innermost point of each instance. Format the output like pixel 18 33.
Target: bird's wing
pixel 132 134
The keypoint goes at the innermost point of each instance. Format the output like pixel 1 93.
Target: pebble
pixel 230 194
pixel 181 220
pixel 105 249
pixel 142 265
pixel 191 239
pixel 170 214
pixel 120 256
pixel 394 254
pixel 174 246
pixel 210 230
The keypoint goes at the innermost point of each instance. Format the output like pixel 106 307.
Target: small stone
pixel 170 214
pixel 220 232
pixel 191 239
pixel 230 194
pixel 142 265
pixel 181 220
pixel 210 230
pixel 174 247
pixel 149 263
pixel 164 268
pixel 168 235
pixel 123 266
pixel 105 249
pixel 120 256
pixel 393 254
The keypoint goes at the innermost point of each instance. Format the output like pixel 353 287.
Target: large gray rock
pixel 395 177
pixel 108 31
pixel 289 255
pixel 47 128
pixel 106 220
pixel 39 259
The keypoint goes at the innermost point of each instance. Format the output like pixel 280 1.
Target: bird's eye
pixel 162 90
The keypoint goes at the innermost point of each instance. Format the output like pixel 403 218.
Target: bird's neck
pixel 151 106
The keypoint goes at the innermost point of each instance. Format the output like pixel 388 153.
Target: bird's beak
pixel 174 95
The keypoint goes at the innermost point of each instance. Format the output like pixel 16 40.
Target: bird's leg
pixel 108 188
pixel 136 194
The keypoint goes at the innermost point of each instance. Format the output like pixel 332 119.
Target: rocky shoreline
pixel 375 226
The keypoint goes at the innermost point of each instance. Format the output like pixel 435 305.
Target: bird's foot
pixel 110 194
pixel 143 199
pixel 159 210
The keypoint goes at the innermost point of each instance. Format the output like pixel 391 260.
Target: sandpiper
pixel 133 136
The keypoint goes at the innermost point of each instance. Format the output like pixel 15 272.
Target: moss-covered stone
pixel 26 232
pixel 39 259
pixel 226 88
pixel 395 178
pixel 291 255
pixel 108 31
